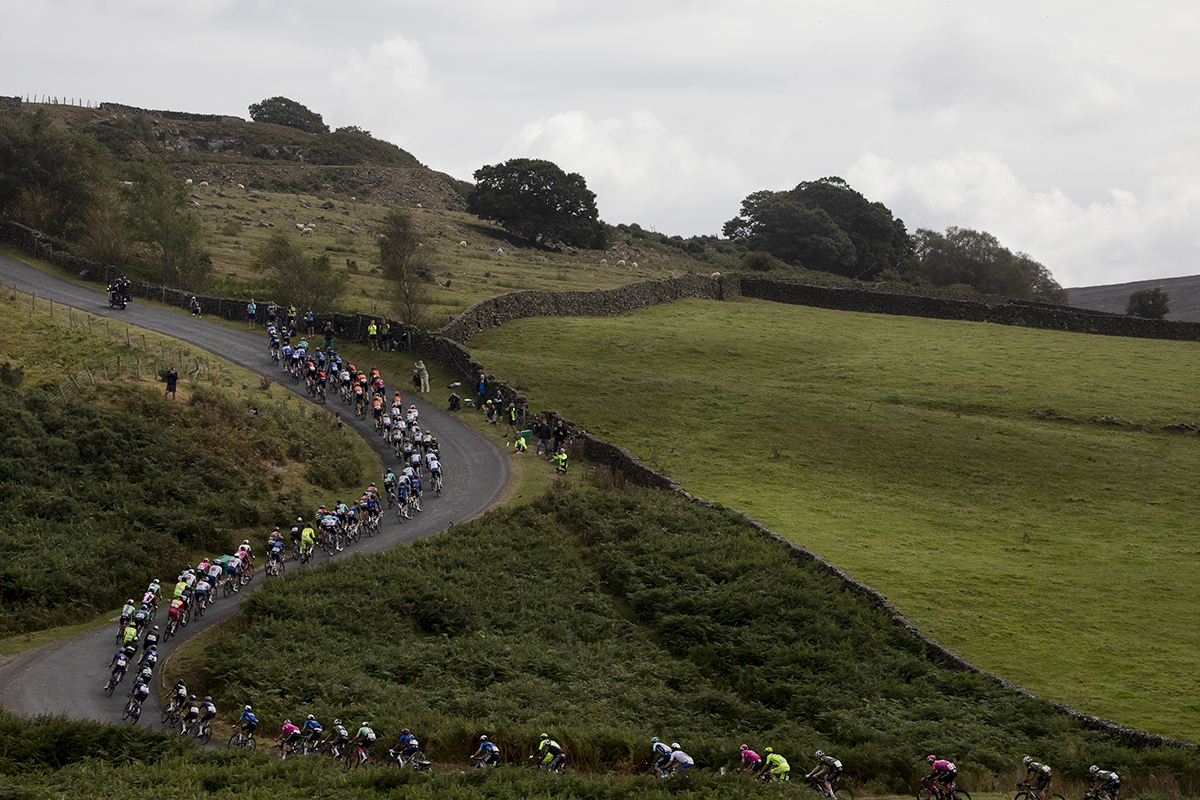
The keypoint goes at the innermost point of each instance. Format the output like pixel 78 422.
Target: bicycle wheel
pixel 959 794
pixel 842 793
pixel 135 714
pixel 113 680
pixel 233 740
pixel 1024 796
pixel 205 735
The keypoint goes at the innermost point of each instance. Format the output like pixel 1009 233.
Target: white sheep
pixel 462 244
pixel 299 227
pixel 204 183
pixel 633 264
pixel 621 263
pixel 604 262
pixel 715 275
pixel 306 231
pixel 243 188
pixel 188 181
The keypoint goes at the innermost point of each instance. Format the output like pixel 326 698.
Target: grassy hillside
pixel 605 618
pixel 1183 294
pixel 1018 493
pixel 118 483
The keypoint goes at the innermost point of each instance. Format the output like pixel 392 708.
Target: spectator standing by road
pixel 251 313
pixel 373 335
pixel 172 381
pixel 423 374
pixel 543 437
pixel 481 387
pixel 560 435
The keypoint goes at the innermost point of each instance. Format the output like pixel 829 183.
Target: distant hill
pixel 1183 294
pixel 227 149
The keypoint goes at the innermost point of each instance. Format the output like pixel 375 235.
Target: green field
pixel 1060 553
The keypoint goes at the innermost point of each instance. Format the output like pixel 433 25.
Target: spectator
pixel 542 429
pixel 423 374
pixel 455 401
pixel 560 435
pixel 483 393
pixel 251 313
pixel 172 380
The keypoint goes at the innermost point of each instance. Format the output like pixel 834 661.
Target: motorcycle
pixel 118 297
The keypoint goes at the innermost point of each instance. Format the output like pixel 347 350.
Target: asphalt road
pixel 67 677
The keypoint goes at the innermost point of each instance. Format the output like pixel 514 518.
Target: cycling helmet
pixel 299 519
pixel 769 750
pixel 153 647
pixel 287 722
pixel 191 697
pixel 483 738
pixel 247 708
pixel 654 740
pixel 245 541
pixel 674 745
pixel 365 725
pixel 403 732
pixel 129 601
pixel 745 747
pixel 820 753
pixel 208 699
pixel 155 628
pixel 1093 769
pixel 337 722
pixel 1027 761
pixel 931 759
pixel 545 736
pixel 310 716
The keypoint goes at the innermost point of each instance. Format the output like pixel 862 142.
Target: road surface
pixel 67 677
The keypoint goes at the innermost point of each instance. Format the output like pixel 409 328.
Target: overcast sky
pixel 1066 129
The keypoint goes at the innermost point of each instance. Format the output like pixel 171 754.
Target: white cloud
pixel 1125 236
pixel 389 85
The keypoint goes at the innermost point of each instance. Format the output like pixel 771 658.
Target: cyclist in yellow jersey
pixel 775 765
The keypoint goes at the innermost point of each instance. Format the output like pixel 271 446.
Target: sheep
pixel 240 186
pixel 306 231
pixel 204 183
pixel 621 263
pixel 299 227
pixel 462 244
pixel 633 264
pixel 715 275
pixel 188 181
pixel 604 262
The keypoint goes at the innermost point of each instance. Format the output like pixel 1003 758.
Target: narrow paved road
pixel 67 677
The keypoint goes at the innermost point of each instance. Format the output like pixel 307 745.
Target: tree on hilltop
pixel 282 111
pixel 976 259
pixel 822 225
pixel 536 201
pixel 1148 304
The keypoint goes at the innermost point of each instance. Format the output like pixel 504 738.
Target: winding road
pixel 66 677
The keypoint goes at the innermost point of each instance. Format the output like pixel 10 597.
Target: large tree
pixel 965 257
pixel 282 111
pixel 538 202
pixel 822 225
pixel 405 266
pixel 1148 303
pixel 295 279
pixel 173 246
pixel 50 179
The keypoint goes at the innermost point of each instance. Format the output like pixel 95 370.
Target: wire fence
pixel 147 359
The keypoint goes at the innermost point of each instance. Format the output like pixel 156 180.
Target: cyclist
pixel 943 772
pixel 179 696
pixel 365 737
pixel 1104 780
pixel 488 753
pixel 775 767
pixel 341 738
pixel 151 641
pixel 750 760
pixel 289 736
pixel 191 713
pixel 829 768
pixel 207 711
pixel 139 692
pixel 308 540
pixel 1042 772
pixel 202 592
pixel 141 617
pixel 297 527
pixel 312 730
pixel 117 667
pixel 662 754
pixel 175 611
pixel 214 578
pixel 551 753
pixel 149 656
pixel 247 721
pixel 406 746
pixel 679 759
pixel 126 613
pixel 130 636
